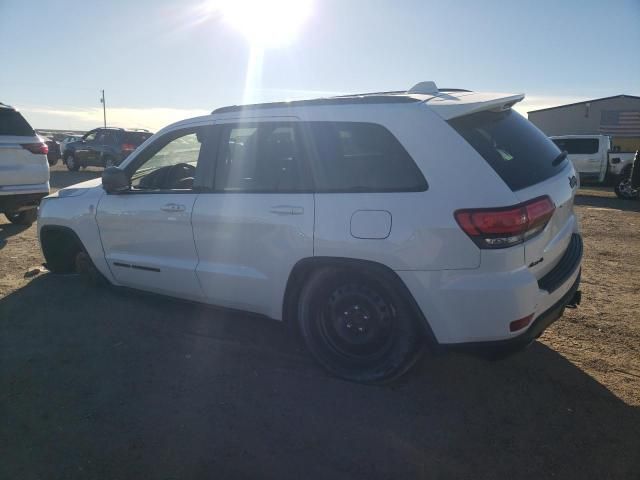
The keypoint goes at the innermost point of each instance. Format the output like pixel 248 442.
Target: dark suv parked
pixel 103 147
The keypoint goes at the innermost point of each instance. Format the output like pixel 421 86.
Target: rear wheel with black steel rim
pixel 357 326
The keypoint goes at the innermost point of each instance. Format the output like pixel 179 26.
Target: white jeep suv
pixel 24 171
pixel 377 224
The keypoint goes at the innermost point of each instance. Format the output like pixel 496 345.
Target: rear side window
pixel 362 157
pixel 136 138
pixel 578 146
pixel 518 152
pixel 262 158
pixel 12 123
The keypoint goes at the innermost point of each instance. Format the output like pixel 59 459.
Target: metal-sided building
pixel 618 117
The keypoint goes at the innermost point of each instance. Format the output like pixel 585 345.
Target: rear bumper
pixel 21 201
pixel 470 307
pixel 541 323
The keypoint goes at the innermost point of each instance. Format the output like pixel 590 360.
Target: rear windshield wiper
pixel 560 158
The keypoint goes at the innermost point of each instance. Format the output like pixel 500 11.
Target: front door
pixel 146 232
pixel 83 148
pixel 257 223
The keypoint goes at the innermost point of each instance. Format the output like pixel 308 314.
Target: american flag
pixel 621 123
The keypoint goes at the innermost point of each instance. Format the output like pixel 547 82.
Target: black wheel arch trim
pixel 304 267
pixel 60 229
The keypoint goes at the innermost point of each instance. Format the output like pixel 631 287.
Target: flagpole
pixel 104 109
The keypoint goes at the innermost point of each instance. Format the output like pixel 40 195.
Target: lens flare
pixel 267 23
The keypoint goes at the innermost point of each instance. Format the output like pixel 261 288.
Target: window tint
pixel 170 162
pixel 585 146
pixel 362 157
pixel 12 123
pixel 264 157
pixel 518 152
pixel 136 138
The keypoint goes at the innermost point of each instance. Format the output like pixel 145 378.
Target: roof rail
pixel 346 100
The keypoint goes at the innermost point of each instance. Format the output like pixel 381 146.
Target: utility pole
pixel 104 109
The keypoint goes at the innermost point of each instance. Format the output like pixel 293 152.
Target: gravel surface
pixel 111 384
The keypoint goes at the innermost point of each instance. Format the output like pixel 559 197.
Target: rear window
pixel 578 146
pixel 362 157
pixel 136 138
pixel 518 152
pixel 12 123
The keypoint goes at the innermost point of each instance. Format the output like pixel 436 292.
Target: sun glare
pixel 265 23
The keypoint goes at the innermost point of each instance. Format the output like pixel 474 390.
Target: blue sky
pixel 161 61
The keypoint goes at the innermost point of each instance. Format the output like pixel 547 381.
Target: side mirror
pixel 115 180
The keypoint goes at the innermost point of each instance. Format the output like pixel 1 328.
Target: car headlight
pixel 72 192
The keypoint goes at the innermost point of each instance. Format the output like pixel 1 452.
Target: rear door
pixel 585 153
pixel 257 222
pixel 18 165
pixel 528 162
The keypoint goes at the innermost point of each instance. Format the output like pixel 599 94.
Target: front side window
pixel 263 157
pixel 170 163
pixel 91 136
pixel 362 157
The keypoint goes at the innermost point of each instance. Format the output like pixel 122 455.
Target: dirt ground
pixel 110 384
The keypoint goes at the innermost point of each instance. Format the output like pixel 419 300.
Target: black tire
pixel 72 163
pixel 86 268
pixel 25 217
pixel 624 190
pixel 357 326
pixel 52 161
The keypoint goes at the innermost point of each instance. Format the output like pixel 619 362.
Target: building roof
pixel 583 102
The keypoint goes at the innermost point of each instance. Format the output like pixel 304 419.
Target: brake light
pixel 128 147
pixel 505 227
pixel 37 148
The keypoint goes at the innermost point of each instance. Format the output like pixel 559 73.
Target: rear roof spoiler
pixel 459 104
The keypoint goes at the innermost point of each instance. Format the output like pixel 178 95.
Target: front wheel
pixel 25 217
pixel 625 191
pixel 357 326
pixel 72 163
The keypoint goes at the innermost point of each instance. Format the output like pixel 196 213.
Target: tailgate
pixel 18 166
pixel 545 250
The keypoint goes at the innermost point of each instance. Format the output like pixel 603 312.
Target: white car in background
pixel 67 140
pixel 24 171
pixel 376 224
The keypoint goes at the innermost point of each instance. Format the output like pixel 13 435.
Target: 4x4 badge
pixel 573 181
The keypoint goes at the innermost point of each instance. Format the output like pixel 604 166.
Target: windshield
pixel 518 152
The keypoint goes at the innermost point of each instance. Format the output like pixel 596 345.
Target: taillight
pixel 128 147
pixel 520 324
pixel 505 227
pixel 37 148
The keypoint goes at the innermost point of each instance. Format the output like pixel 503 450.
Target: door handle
pixel 286 210
pixel 173 208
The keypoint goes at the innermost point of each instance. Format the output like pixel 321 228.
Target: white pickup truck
pixel 593 159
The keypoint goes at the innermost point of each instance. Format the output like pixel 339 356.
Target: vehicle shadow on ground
pixel 585 199
pixel 9 230
pixel 105 383
pixel 63 178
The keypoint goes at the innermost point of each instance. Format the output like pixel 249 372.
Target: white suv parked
pixel 24 171
pixel 376 224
